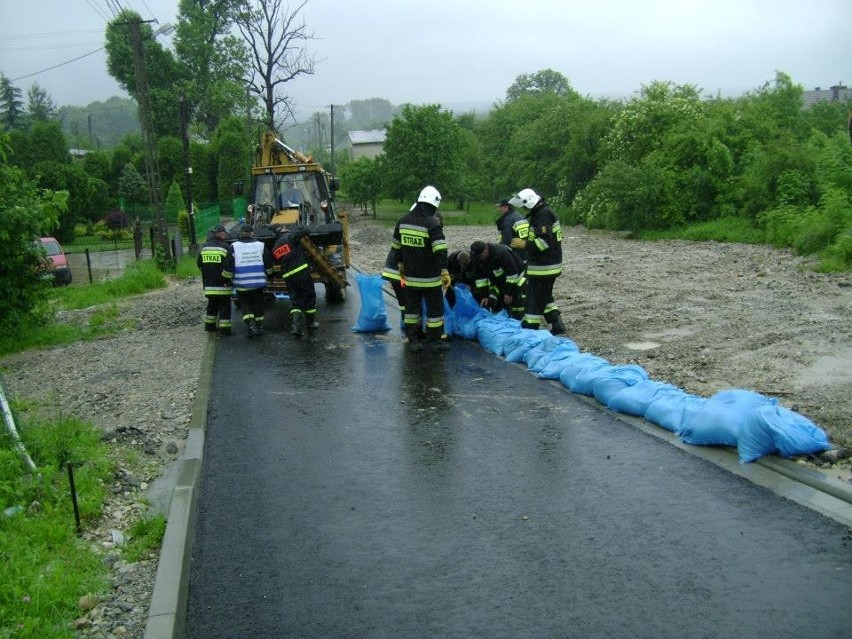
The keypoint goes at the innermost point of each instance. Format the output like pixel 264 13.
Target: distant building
pixel 837 93
pixel 77 154
pixel 366 144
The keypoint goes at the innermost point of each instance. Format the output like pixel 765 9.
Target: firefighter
pixel 503 273
pixel 212 259
pixel 422 251
pixel 249 264
pixel 291 262
pixel 512 225
pixel 544 261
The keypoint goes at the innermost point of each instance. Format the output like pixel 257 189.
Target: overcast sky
pixel 463 51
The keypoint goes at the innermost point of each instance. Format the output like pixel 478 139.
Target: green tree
pixel 229 143
pixel 544 81
pixel 11 105
pixel 174 202
pixel 165 75
pixel 132 187
pixel 424 145
pixel 27 213
pixel 215 59
pixel 501 140
pixel 362 182
pixel 40 106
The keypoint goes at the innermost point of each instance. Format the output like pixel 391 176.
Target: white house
pixel 366 144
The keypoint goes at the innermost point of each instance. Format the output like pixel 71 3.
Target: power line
pixel 98 10
pixel 56 66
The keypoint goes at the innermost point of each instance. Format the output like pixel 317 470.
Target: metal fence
pixel 105 254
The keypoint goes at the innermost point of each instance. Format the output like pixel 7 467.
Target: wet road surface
pixel 353 489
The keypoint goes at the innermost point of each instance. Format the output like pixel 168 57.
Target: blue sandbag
pixel 544 347
pixel 775 429
pixel 373 316
pixel 588 374
pixel 635 399
pixel 672 407
pixel 518 345
pixel 465 311
pixel 495 329
pixel 607 385
pixel 570 370
pixel 468 328
pixel 718 422
pixel 549 366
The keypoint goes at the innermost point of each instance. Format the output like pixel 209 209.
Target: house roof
pixel 377 136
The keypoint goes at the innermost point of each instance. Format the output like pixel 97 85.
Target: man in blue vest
pixel 249 265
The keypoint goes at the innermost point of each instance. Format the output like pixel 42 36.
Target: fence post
pixel 89 264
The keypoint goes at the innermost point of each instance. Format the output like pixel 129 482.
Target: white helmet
pixel 430 195
pixel 526 198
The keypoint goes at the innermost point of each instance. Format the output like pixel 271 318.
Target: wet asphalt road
pixel 353 489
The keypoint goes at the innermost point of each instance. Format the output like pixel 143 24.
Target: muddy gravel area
pixel 703 316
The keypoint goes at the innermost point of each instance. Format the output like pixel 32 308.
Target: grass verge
pixel 48 574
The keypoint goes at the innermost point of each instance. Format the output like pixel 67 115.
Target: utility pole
pixel 190 207
pixel 152 167
pixel 331 164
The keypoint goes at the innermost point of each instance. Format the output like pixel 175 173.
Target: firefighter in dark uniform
pixel 217 287
pixel 503 272
pixel 291 263
pixel 512 225
pixel 544 262
pixel 422 251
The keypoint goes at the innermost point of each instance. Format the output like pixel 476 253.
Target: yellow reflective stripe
pixel 535 270
pixel 295 270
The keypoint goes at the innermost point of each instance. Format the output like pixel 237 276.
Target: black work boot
pixel 298 327
pixel 556 325
pixel 441 343
pixel 414 341
pixel 251 327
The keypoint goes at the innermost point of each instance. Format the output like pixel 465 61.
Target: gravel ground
pixel 703 316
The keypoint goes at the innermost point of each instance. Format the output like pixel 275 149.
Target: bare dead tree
pixel 277 37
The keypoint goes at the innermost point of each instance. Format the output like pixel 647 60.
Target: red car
pixel 59 269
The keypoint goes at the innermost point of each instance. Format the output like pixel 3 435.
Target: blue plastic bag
pixel 611 382
pixel 587 375
pixel 672 407
pixel 718 422
pixel 493 331
pixel 573 366
pixel 551 364
pixel 543 348
pixel 518 345
pixel 775 429
pixel 635 399
pixel 373 316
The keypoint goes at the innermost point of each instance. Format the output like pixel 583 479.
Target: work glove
pixel 401 268
pixel 518 243
pixel 445 279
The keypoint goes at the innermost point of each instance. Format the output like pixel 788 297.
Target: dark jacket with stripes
pixel 211 260
pixel 421 247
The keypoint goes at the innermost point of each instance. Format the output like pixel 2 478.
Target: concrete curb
pixel 167 612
